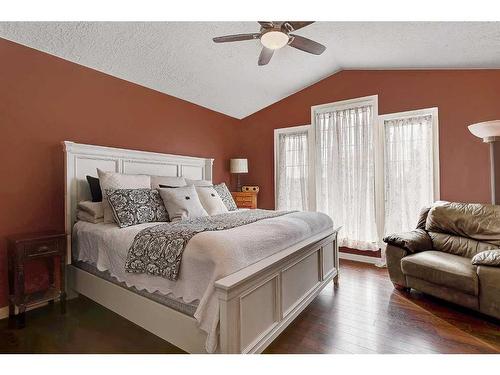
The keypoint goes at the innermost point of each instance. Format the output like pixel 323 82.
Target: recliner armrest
pixel 414 241
pixel 487 258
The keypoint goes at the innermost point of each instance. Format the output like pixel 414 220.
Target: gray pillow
pixel 226 196
pixel 182 203
pixel 487 258
pixel 198 182
pixel 136 206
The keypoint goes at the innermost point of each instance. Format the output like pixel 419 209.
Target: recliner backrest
pixel 463 229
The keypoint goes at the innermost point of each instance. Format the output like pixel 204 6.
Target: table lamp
pixel 238 166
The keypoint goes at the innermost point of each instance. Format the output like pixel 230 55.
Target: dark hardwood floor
pixel 363 315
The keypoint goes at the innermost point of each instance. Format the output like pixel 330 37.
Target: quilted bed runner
pixel 158 250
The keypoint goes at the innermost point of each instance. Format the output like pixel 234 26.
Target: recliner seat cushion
pixel 440 268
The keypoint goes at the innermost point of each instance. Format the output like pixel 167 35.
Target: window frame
pixel 292 130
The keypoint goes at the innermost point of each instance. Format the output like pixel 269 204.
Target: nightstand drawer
pixel 42 248
pixel 245 199
pixel 245 204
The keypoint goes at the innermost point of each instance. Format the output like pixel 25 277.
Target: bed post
pixel 229 323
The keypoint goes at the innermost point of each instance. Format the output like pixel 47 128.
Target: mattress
pixel 208 257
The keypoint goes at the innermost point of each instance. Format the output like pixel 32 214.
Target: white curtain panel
pixel 346 174
pixel 292 184
pixel 408 174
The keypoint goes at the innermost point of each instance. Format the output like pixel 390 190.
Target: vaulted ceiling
pixel 180 59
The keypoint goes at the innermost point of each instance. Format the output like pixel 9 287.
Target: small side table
pixel 245 199
pixel 27 247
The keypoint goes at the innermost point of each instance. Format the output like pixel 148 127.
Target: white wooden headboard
pixel 82 160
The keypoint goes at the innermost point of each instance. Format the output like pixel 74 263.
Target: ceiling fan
pixel 275 35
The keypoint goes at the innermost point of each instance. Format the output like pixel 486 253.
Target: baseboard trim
pixel 359 258
pixel 4 312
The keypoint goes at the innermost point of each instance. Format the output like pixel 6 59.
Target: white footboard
pixel 258 302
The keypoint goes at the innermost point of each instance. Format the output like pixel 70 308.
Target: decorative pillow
pixel 182 203
pixel 167 181
pixel 113 180
pixel 136 206
pixel 95 189
pixel 211 200
pixel 487 258
pixel 226 196
pixel 198 182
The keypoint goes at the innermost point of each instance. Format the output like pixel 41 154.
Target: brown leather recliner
pixel 436 258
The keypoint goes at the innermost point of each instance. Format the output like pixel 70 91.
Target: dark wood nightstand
pixel 23 248
pixel 245 199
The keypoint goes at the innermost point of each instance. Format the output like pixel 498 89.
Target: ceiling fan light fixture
pixel 274 39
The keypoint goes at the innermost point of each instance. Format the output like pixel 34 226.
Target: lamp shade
pixel 238 166
pixel 489 131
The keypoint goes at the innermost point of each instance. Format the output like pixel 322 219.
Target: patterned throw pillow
pixel 136 206
pixel 226 196
pixel 114 180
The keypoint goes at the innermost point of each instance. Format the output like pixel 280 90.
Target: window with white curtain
pixel 410 164
pixel 292 168
pixel 345 169
pixel 373 174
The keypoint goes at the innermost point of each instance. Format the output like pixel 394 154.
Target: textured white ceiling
pixel 180 59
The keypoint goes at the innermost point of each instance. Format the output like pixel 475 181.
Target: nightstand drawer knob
pixel 42 249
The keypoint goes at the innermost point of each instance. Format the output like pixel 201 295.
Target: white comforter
pixel 208 257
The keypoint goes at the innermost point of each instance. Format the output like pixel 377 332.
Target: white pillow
pixel 168 181
pixel 210 200
pixel 95 209
pixel 182 203
pixel 114 180
pixel 88 217
pixel 198 182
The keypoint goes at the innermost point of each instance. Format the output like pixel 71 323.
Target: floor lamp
pixel 489 131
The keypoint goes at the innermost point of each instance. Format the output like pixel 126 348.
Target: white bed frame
pixel 256 303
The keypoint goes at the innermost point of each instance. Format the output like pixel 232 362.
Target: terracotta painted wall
pixel 463 97
pixel 45 100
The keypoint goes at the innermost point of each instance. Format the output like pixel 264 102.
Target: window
pixel 373 174
pixel 410 166
pixel 345 169
pixel 291 168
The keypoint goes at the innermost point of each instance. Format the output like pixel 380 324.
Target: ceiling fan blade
pixel 236 38
pixel 265 56
pixel 298 24
pixel 266 24
pixel 307 45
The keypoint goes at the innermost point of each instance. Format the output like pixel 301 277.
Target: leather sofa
pixel 436 258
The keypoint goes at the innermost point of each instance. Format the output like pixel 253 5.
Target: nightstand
pixel 47 246
pixel 245 199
